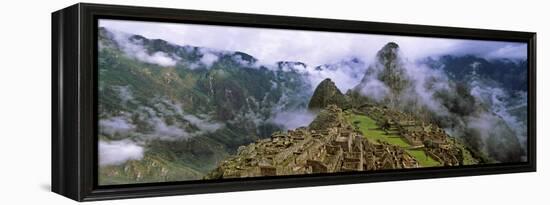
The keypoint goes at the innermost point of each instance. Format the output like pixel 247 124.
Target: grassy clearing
pixel 423 159
pixel 373 133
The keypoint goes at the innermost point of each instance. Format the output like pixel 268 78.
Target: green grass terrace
pixel 369 128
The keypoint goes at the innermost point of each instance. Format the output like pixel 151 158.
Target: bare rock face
pixel 392 68
pixel 336 148
pixel 326 94
pixel 386 78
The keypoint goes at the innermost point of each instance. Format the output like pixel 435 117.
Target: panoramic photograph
pixel 186 102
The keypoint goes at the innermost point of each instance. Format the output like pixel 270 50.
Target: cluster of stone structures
pixel 338 147
pixel 420 135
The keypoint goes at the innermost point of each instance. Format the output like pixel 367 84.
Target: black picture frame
pixel 74 101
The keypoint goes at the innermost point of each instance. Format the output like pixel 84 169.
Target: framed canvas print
pixel 154 102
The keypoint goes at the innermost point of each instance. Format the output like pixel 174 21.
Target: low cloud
pixel 490 50
pixel 375 89
pixel 500 102
pixel 203 125
pixel 165 120
pixel 124 93
pixel 239 59
pixel 208 59
pixel 116 126
pixel 118 152
pixel 293 119
pixel 346 73
pixel 311 47
pixel 163 131
pixel 179 128
pixel 134 48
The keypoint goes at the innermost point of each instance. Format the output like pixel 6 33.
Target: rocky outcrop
pixel 386 79
pixel 326 94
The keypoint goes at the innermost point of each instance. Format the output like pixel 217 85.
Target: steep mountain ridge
pixel 432 96
pixel 207 102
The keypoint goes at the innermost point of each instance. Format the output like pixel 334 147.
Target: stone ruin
pixel 335 148
pixel 418 134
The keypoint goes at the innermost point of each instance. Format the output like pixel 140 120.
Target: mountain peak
pixel 327 80
pixel 391 45
pixel 326 94
pixel 388 69
pixel 388 53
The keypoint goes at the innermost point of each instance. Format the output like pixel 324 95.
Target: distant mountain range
pixel 508 74
pixel 188 106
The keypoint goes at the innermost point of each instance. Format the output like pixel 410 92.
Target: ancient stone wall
pixel 335 148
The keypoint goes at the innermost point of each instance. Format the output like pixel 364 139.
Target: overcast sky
pixel 311 47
